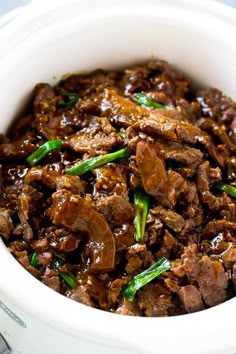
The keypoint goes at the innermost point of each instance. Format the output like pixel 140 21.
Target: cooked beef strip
pixel 217 130
pixel 215 227
pixel 191 134
pixel 51 279
pixel 92 141
pixel 128 308
pixel 115 289
pixel 6 225
pixel 110 179
pixel 126 113
pixel 80 294
pixel 214 203
pixel 72 183
pixel 153 172
pixel 75 214
pixel 117 209
pixel 216 105
pixel 26 203
pixel 213 281
pixel 184 155
pixel 154 300
pixel 234 276
pixel 171 219
pixel 23 258
pixel 191 298
pixel 175 154
pixel 137 257
pixel 47 175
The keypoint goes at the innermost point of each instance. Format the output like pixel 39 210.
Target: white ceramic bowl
pixel 198 37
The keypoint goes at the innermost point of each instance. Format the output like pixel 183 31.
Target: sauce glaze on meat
pixel 176 154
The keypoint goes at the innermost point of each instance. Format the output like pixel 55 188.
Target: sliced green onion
pixel 70 99
pixel 43 150
pixel 34 260
pixel 68 278
pixel 94 162
pixel 58 262
pixel 138 281
pixel 15 211
pixel 141 203
pixel 227 188
pixel 122 134
pixel 146 101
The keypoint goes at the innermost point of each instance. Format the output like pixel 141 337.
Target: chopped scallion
pixel 122 134
pixel 138 281
pixel 94 162
pixel 68 277
pixel 70 99
pixel 141 202
pixel 227 188
pixel 43 150
pixel 146 101
pixel 58 262
pixel 34 260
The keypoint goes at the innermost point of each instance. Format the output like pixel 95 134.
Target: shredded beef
pixel 153 172
pixel 144 172
pixel 80 294
pixel 51 279
pixel 92 141
pixel 154 300
pixel 110 179
pixel 27 202
pixel 128 308
pixel 171 219
pixel 75 214
pixel 47 175
pixel 213 281
pixel 191 298
pixel 117 209
pixel 6 225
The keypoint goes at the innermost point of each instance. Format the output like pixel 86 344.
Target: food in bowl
pixel 118 191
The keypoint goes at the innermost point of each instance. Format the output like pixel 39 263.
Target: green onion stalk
pixel 43 150
pixel 141 203
pixel 34 260
pixel 140 280
pixel 146 101
pixel 122 134
pixel 68 277
pixel 70 99
pixel 227 188
pixel 94 162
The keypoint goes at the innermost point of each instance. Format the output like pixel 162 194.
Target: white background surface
pixel 12 8
pixel 8 5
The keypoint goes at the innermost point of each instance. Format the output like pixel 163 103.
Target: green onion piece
pixel 58 262
pixel 227 188
pixel 147 101
pixel 34 260
pixel 141 203
pixel 15 211
pixel 43 150
pixel 94 162
pixel 145 277
pixel 122 134
pixel 70 99
pixel 69 279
